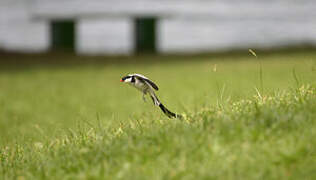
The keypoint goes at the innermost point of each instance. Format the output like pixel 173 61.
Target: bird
pixel 146 86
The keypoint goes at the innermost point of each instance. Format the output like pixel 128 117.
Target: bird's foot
pixel 144 98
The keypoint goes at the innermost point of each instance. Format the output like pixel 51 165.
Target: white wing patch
pixel 139 75
pixel 147 81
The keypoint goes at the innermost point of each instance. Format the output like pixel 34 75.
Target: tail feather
pixel 166 111
pixel 155 100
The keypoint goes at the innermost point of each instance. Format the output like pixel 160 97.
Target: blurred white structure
pixel 183 26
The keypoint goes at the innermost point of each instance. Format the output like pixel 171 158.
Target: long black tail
pixel 166 111
pixel 169 113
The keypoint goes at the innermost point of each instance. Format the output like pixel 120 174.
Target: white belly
pixel 143 87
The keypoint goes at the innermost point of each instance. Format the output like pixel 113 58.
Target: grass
pixel 80 122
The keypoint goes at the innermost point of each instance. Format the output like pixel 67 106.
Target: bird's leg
pixel 144 98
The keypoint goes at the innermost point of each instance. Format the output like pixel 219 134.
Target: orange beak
pixel 121 80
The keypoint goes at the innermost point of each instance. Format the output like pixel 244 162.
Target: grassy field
pixel 68 120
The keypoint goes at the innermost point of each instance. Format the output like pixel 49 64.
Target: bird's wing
pixel 152 84
pixel 148 81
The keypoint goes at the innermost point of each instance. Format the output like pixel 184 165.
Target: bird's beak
pixel 121 80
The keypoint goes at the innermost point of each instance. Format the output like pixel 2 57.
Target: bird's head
pixel 127 79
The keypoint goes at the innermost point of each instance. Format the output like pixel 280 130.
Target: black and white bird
pixel 146 86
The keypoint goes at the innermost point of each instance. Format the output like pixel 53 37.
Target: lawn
pixel 69 120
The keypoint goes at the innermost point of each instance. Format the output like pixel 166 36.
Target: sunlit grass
pixel 81 122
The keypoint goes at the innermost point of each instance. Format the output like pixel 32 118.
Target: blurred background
pixel 243 70
pixel 61 61
pixel 123 27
